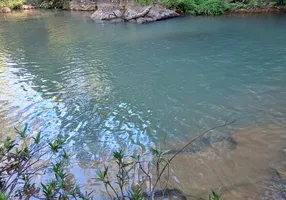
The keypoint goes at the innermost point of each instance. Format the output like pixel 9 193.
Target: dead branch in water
pixel 182 149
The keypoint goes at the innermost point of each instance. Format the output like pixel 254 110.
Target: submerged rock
pixel 5 10
pixel 167 194
pixel 220 145
pixel 142 14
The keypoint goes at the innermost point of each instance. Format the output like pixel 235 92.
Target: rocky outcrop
pixel 83 5
pixel 143 14
pixel 5 10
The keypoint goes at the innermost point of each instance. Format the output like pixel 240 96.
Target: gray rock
pixel 142 20
pixel 107 13
pixel 158 12
pixel 5 10
pixel 143 14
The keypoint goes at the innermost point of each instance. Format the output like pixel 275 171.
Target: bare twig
pixel 147 174
pixel 184 147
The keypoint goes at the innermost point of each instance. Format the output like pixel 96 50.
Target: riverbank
pixel 147 11
pixel 273 9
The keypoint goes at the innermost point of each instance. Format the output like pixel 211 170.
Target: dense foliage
pixel 197 7
pixel 14 4
pixel 17 4
pixel 216 7
pixel 62 4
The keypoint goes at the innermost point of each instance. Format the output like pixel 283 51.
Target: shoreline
pixel 273 9
pixel 266 9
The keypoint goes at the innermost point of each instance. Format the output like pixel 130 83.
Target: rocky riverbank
pixel 127 11
pixel 113 11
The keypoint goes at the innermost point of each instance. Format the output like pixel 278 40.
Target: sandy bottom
pixel 240 173
pixel 6 129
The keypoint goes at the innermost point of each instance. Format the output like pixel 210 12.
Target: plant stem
pixel 178 152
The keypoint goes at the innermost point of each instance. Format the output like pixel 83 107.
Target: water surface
pixel 110 86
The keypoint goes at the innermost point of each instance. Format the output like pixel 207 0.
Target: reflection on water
pixel 107 86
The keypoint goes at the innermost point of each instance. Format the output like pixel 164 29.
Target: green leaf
pixel 165 152
pixel 118 155
pixel 37 139
pixel 3 196
pixel 154 151
pixel 22 133
pixel 65 155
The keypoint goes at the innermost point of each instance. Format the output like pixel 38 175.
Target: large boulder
pixel 143 14
pixel 5 10
pixel 106 13
pixel 158 12
pixel 83 5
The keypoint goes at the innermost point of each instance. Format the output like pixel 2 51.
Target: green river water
pixel 109 86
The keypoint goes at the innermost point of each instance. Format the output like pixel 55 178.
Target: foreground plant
pixel 214 196
pixel 25 158
pixel 136 177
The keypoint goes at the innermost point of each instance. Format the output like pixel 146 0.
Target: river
pixel 109 86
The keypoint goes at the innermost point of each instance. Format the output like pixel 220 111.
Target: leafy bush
pixel 63 4
pixel 211 7
pixel 13 4
pixel 60 4
pixel 181 6
pixel 197 7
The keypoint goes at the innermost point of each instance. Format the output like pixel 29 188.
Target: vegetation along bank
pixel 142 11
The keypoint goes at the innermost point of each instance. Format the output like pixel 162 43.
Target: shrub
pixel 211 7
pixel 181 6
pixel 198 7
pixel 60 4
pixel 13 4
